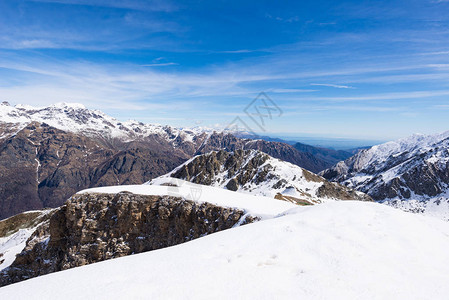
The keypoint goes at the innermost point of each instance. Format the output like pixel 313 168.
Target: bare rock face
pixel 95 227
pixel 41 166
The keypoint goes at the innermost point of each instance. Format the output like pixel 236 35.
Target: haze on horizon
pixel 372 70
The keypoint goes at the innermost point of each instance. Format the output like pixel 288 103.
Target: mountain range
pixel 410 173
pixel 47 154
pixel 123 188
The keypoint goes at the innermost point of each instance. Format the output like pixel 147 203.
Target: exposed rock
pixel 283 151
pixel 95 227
pixel 257 173
pixel 24 220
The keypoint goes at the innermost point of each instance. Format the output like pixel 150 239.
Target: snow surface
pixel 12 245
pixel 336 250
pixel 437 207
pixel 263 207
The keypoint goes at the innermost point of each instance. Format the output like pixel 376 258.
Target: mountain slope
pixel 330 156
pixel 112 133
pixel 47 154
pixel 110 222
pixel 41 166
pixel 338 250
pixel 257 173
pixel 414 168
pixel 410 167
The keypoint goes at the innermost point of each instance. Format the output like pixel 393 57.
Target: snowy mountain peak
pixel 65 105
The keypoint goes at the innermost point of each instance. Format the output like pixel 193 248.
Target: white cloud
pixel 337 86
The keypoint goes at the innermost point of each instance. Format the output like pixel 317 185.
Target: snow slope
pixel 13 244
pixel 336 250
pixel 263 207
pixel 434 207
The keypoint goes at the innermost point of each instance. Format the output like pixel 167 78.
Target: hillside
pixel 338 250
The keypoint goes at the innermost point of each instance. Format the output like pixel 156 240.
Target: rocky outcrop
pixel 257 173
pixel 96 227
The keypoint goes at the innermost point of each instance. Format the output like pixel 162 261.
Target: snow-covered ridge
pixel 338 250
pixel 414 169
pixel 386 162
pixel 259 206
pixel 413 145
pixel 254 172
pixel 75 117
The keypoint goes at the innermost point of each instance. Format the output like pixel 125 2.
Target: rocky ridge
pixel 254 172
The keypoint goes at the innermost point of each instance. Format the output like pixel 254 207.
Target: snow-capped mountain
pixel 47 154
pixel 414 168
pixel 254 172
pixel 337 250
pixel 76 118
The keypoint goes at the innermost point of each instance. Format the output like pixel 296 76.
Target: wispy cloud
pixel 337 86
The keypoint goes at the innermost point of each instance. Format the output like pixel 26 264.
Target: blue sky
pixel 350 69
